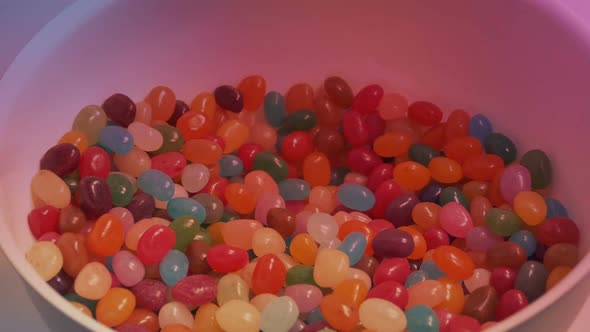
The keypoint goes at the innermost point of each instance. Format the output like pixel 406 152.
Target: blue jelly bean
pixel 274 108
pixel 184 206
pixel 432 270
pixel 480 127
pixel 315 316
pixel 174 267
pixel 108 263
pixel 421 318
pixel 230 165
pixel 157 184
pixel 338 174
pixel 356 197
pixel 526 240
pixel 288 241
pixel 294 189
pixel 431 193
pixel 116 139
pixel 415 277
pixel 555 208
pixel 354 245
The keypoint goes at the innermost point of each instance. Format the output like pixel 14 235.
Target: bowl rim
pixel 22 68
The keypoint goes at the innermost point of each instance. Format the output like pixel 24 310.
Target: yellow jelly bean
pixel 46 259
pixel 50 189
pixel 331 267
pixel 238 316
pixel 382 316
pixel 232 287
pixel 234 134
pixel 77 138
pixel 267 241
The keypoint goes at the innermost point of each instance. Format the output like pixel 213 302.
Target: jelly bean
pixel 46 219
pixel 296 145
pixel 391 291
pixel 157 184
pixel 421 318
pixel 226 259
pixel 234 134
pixel 274 165
pixel 267 241
pixel 426 214
pixel 392 269
pixel 265 136
pixel 307 297
pixel 362 160
pixel 247 152
pixel 392 106
pixel 281 220
pixel 304 249
pixel 183 206
pixel 337 176
pixel 162 101
pixel 445 170
pixel 316 169
pixel 501 146
pixel 61 282
pixel 435 237
pixel 411 176
pixel 531 207
pixel 49 189
pixel 176 328
pixel 185 228
pixel 455 219
pixel 74 252
pixel 202 151
pixel 120 108
pixel 128 268
pixel 195 290
pixel 232 287
pixel 454 298
pixel 368 98
pixel 480 127
pixel 115 307
pixel 205 319
pixel 155 243
pixel 175 313
pixel 355 128
pixel 425 113
pixel 399 211
pixel 431 269
pixel 300 274
pixel 531 279
pixel 338 313
pixel 481 239
pixel 352 292
pixel 46 258
pixel 116 139
pixel 106 237
pixel 379 175
pixel 480 278
pixel 72 181
pixel 133 163
pixel 555 276
pixel 239 232
pixel 475 188
pixel 393 144
pixel 526 240
pixel 191 125
pixel 194 177
pixel 150 294
pixel 481 304
pixel 172 139
pixel 122 190
pixel 435 136
pixel 230 166
pixel 142 206
pixel 464 323
pixel 331 267
pixel 61 159
pixel 515 179
pixel 482 167
pixel 143 113
pixel 539 166
pixel 299 96
pixel 196 253
pixel 90 121
pixel 93 281
pixel 558 230
pixel 240 198
pixel 180 108
pixel 279 315
pixel 338 91
pixel 204 103
pixel 510 302
pixel 422 153
pixel 294 189
pixel 454 262
pixel 299 120
pixel 503 222
pixel 252 90
pixel 174 267
pixel 479 207
pixel 561 254
pixel 354 246
pixel 322 227
pixel 380 315
pixel 452 194
pixel 170 163
pixel 555 208
pixel 145 137
pixel 356 197
pixel 238 316
pixel 414 278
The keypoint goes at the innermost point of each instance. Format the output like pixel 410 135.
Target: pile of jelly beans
pixel 313 210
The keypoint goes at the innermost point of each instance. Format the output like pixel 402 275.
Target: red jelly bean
pixel 558 230
pixel 464 323
pixel 457 125
pixel 226 259
pixel 362 159
pixel 378 175
pixel 355 128
pixel 170 163
pixel 482 167
pixel 462 148
pixel 43 220
pixel 510 302
pixel 297 145
pixel 435 237
pixel 425 113
pixel 503 279
pixel 95 162
pixel 368 99
pixel 155 243
pixel 385 193
pixel 375 125
pixel 444 319
pixel 435 136
pixel 247 152
pixel 216 187
pixel 269 275
pixel 392 269
pixel 391 291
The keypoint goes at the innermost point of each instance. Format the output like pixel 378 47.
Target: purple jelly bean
pixel 481 239
pixel 393 243
pixel 142 206
pixel 195 290
pixel 94 197
pixel 61 159
pixel 150 294
pixel 399 211
pixel 61 282
pixel 431 192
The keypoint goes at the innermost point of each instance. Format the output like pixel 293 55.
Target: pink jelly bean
pixel 226 259
pixel 307 297
pixel 195 290
pixel 510 302
pixel 155 243
pixel 481 238
pixel 150 294
pixel 267 201
pixel 378 175
pixel 514 179
pixel 355 129
pixel 462 323
pixel 362 159
pixel 444 319
pixel 125 216
pixel 391 291
pixel 385 193
pixel 436 237
pixel 128 268
pixel 503 279
pixel 375 125
pixel 455 219
pixel 50 237
pixel 395 269
pixel 368 98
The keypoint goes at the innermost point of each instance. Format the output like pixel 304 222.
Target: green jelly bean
pixel 539 165
pixel 300 274
pixel 73 297
pixel 501 146
pixel 272 164
pixel 204 236
pixel 503 222
pixel 422 153
pixel 299 120
pixel 452 194
pixel 122 190
pixel 531 279
pixel 173 140
pixel 90 120
pixel 185 228
pixel 73 181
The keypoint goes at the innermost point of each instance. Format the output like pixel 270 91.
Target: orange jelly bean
pixel 215 230
pixel 234 134
pixel 393 144
pixel 445 170
pixel 425 214
pixel 253 89
pixel 175 328
pixel 106 237
pixel 454 262
pixel 115 307
pixel 304 249
pixel 556 275
pixel 419 242
pixel 162 101
pixel 204 103
pixel 194 125
pixel 77 138
pixel 462 148
pixel 482 167
pixel 454 298
pixel 299 97
pixel 475 188
pixel 410 175
pixel 205 320
pixel 316 169
pixel 144 318
pixel 202 151
pixel 338 313
pixel 238 233
pixel 457 125
pixel 352 291
pixel 240 199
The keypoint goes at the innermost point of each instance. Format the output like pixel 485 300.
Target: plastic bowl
pixel 522 63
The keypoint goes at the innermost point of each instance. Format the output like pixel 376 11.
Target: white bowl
pixel 525 64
